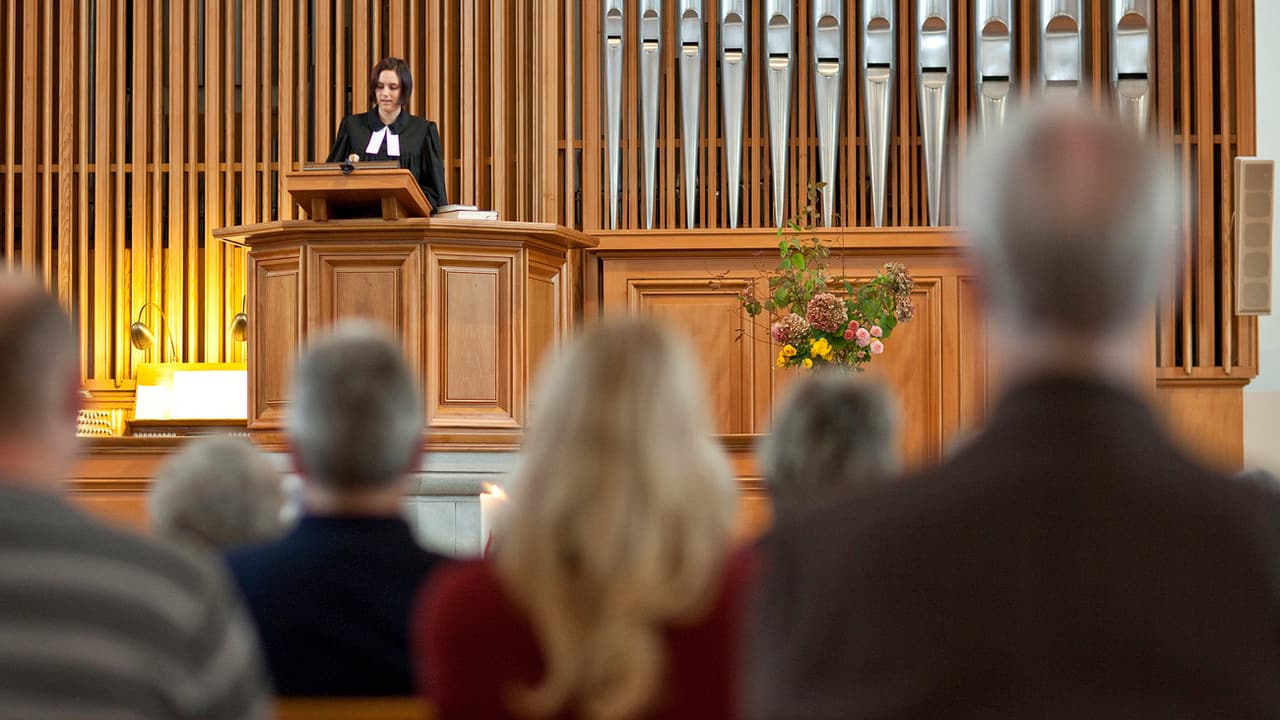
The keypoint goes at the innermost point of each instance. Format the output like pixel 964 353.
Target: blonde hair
pixel 622 515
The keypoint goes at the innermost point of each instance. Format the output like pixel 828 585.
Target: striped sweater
pixel 97 623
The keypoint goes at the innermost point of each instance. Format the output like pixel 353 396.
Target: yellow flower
pixel 782 360
pixel 807 363
pixel 820 348
pixel 788 350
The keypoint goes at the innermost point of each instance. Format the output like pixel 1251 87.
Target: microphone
pixel 348 166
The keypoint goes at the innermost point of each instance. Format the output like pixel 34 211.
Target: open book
pixel 464 212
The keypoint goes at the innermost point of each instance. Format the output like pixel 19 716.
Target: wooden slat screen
pixel 134 129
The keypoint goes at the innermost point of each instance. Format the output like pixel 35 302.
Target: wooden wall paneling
pixel 361 54
pixel 137 206
pixel 567 166
pixel 83 148
pixel 501 116
pixel 670 118
pixel 269 113
pixel 287 47
pixel 194 233
pixel 324 80
pixel 594 184
pixel 29 139
pixel 124 290
pixel 67 172
pixel 250 57
pixel 10 165
pixel 1225 147
pixel 48 261
pixel 1243 32
pixel 398 28
pixel 1185 169
pixel 101 320
pixel 1206 255
pixel 547 319
pixel 156 266
pixel 1163 111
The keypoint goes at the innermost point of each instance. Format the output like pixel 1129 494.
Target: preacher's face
pixel 387 91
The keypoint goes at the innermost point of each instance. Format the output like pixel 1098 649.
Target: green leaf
pixel 797 261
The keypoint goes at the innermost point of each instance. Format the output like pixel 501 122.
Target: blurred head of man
pixel 1071 219
pixel 356 422
pixel 39 386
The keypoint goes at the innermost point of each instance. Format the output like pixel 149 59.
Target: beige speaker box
pixel 1255 197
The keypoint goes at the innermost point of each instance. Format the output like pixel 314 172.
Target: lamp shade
pixel 240 327
pixel 141 336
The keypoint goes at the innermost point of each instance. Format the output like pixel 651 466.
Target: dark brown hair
pixel 401 69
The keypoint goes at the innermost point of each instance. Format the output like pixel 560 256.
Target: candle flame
pixel 494 490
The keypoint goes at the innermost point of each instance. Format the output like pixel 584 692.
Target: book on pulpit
pixel 464 212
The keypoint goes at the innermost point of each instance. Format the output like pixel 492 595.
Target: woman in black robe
pixel 388 132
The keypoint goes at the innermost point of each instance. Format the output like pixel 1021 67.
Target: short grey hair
pixel 1072 219
pixel 356 417
pixel 831 432
pixel 219 493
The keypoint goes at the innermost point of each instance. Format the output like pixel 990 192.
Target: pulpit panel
pixel 379 283
pixel 472 344
pixel 976 361
pixel 276 286
pixel 547 313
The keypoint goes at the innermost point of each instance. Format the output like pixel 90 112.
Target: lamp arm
pixel 164 328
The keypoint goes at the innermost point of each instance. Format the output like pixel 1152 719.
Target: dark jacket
pixel 1069 562
pixel 420 151
pixel 332 601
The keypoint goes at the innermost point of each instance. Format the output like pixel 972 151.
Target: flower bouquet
pixel 820 319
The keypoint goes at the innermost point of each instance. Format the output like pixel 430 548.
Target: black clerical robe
pixel 419 142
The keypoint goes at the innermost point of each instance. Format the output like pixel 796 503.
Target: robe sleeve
pixel 433 167
pixel 341 144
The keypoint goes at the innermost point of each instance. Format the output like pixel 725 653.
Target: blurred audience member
pixel 612 592
pixel 218 493
pixel 332 598
pixel 833 434
pixel 1070 561
pixel 96 623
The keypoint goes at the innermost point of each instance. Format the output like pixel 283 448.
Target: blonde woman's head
pixel 622 513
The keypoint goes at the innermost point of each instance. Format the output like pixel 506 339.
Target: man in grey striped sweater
pixel 96 623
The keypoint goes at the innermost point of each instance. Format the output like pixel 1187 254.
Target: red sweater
pixel 472 642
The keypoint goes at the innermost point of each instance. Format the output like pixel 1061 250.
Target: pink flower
pixel 790 330
pixel 826 312
pixel 877 347
pixel 849 332
pixel 863 336
pixel 876 331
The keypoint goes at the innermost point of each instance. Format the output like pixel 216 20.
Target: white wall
pixel 1262 396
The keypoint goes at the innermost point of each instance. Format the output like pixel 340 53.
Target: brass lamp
pixel 240 324
pixel 141 337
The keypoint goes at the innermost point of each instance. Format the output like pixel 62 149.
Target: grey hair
pixel 356 417
pixel 219 493
pixel 831 432
pixel 1071 217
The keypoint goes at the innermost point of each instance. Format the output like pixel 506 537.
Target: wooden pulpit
pixel 476 305
pixel 365 189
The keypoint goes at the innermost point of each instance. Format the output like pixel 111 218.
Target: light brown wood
pixel 200 113
pixel 392 708
pixel 470 303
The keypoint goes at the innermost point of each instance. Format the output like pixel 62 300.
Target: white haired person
pixel 613 591
pixel 833 435
pixel 332 599
pixel 1070 560
pixel 218 494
